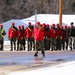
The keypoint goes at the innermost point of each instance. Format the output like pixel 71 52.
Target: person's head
pixel 37 24
pixel 58 26
pixel 29 23
pixel 41 25
pixel 44 24
pixel 72 24
pixel 13 24
pixel 47 26
pixel 65 27
pixel 22 26
pixel 19 27
pixel 53 25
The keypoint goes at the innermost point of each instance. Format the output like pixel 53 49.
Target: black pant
pixel 40 47
pixel 53 44
pixel 19 45
pixel 63 44
pixel 58 44
pixel 47 44
pixel 30 42
pixel 66 42
pixel 1 44
pixel 13 43
pixel 23 43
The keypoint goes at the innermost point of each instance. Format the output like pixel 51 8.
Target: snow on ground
pixel 6 42
pixel 63 69
pixel 7 45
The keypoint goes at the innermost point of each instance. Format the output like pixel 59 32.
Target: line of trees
pixel 19 9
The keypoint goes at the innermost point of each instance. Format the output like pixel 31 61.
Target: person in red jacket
pixel 29 36
pixel 58 38
pixel 46 37
pixel 19 38
pixel 39 39
pixel 53 34
pixel 12 35
pixel 24 37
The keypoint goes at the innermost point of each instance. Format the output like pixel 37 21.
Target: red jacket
pixel 38 34
pixel 19 35
pixel 59 33
pixel 24 33
pixel 29 32
pixel 46 33
pixel 63 34
pixel 12 33
pixel 53 33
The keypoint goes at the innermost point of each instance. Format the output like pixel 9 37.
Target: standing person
pixel 39 38
pixel 24 37
pixel 63 38
pixel 12 35
pixel 2 34
pixel 58 38
pixel 33 42
pixel 72 35
pixel 29 36
pixel 53 34
pixel 19 38
pixel 66 37
pixel 46 37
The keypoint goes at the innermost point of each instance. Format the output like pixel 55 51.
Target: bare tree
pixel 20 9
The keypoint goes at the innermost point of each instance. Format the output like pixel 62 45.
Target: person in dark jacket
pixel 72 35
pixel 63 38
pixel 66 37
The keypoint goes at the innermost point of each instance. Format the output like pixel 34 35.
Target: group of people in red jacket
pixel 41 36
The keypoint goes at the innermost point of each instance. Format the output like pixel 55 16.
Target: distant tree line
pixel 19 9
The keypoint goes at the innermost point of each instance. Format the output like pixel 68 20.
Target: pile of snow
pixel 43 18
pixel 50 19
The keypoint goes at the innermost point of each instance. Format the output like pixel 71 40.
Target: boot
pixel 36 54
pixel 43 53
pixel 71 48
pixel 14 48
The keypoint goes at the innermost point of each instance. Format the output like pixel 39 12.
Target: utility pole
pixel 60 12
pixel 35 16
pixel 34 27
